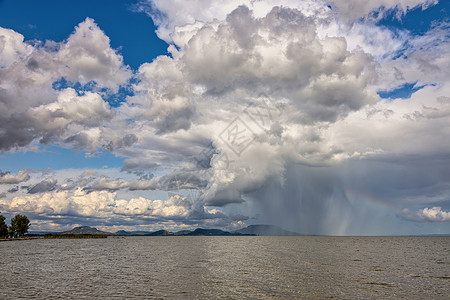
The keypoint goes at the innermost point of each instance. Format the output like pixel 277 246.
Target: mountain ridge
pixel 267 230
pixel 251 230
pixel 86 230
pixel 196 232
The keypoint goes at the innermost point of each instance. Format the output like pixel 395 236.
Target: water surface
pixel 227 267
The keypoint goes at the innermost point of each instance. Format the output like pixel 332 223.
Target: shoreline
pixel 19 239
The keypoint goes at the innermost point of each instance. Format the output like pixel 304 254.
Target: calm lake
pixel 227 267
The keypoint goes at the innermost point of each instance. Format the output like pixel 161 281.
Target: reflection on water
pixel 227 267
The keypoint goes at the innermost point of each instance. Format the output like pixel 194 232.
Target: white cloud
pixel 325 86
pixel 66 206
pixel 8 178
pixel 27 98
pixel 434 214
pixel 87 56
pixel 176 18
pixel 105 183
pixel 88 109
pixel 175 206
pixel 168 15
pixel 60 203
pixel 352 10
pixel 12 48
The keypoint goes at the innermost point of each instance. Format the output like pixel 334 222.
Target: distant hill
pixel 196 232
pixel 214 232
pixel 261 230
pixel 86 230
pixel 250 230
pixel 182 232
pixel 266 230
pixel 135 233
pixel 160 233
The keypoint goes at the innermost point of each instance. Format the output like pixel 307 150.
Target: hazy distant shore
pixel 252 230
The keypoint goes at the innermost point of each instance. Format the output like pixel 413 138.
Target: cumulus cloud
pixel 352 10
pixel 63 203
pixel 88 56
pixel 138 166
pixel 12 47
pixel 174 207
pixel 8 178
pixel 173 181
pixel 105 183
pixel 30 107
pixel 316 79
pixel 322 81
pixel 434 214
pixel 43 186
pixel 51 121
pixel 107 207
pixel 168 15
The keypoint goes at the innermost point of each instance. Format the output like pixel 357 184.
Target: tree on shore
pixel 3 227
pixel 19 225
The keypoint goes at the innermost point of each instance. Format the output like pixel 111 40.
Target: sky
pixel 318 116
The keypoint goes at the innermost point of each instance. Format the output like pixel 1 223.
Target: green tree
pixel 19 225
pixel 12 231
pixel 3 227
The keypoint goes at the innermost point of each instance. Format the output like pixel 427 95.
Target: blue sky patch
pixel 404 92
pixel 113 99
pixel 133 34
pixel 418 21
pixel 57 158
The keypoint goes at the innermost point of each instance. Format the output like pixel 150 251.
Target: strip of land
pixel 92 232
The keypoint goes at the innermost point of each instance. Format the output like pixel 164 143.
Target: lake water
pixel 227 268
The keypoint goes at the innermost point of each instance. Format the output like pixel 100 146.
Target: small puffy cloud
pixel 170 182
pixel 8 178
pixel 174 207
pixel 88 173
pixel 88 56
pixel 135 165
pixel 179 181
pixel 434 214
pixel 88 110
pixel 105 183
pixel 14 189
pixel 352 10
pixel 43 186
pixel 12 48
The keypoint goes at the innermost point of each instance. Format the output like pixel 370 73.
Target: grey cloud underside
pixel 172 182
pixel 335 199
